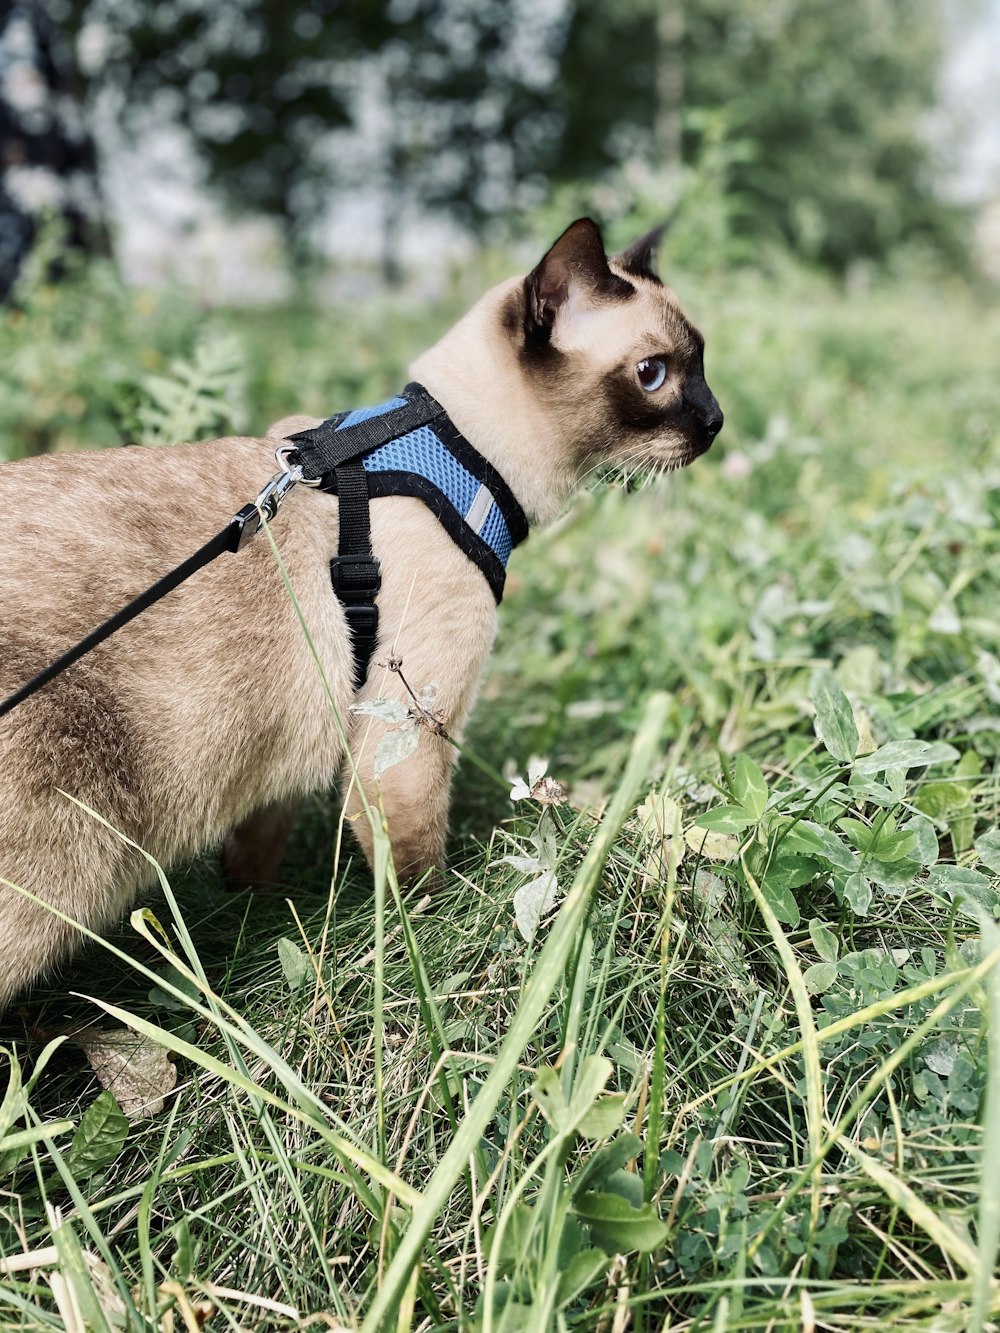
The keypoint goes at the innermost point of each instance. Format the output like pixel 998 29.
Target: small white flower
pixel 544 790
pixel 735 466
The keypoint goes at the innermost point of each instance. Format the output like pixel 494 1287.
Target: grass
pixel 747 1076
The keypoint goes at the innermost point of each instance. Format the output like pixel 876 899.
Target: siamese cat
pixel 205 719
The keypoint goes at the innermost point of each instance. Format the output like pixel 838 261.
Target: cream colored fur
pixel 206 719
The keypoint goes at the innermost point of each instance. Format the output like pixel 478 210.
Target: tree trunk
pixel 393 185
pixel 668 129
pixel 47 162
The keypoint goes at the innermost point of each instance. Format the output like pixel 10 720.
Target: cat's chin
pixel 681 460
pixel 685 456
pixel 637 474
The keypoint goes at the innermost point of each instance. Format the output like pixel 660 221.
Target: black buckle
pixel 356 579
pixel 363 621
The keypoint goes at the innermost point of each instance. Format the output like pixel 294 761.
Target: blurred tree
pixel 257 84
pixel 465 89
pixel 473 107
pixel 47 162
pixel 827 101
pixel 441 103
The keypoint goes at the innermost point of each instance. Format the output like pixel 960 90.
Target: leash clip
pixel 264 508
pixel 270 498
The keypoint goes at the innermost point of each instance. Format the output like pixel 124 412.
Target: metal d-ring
pixel 283 456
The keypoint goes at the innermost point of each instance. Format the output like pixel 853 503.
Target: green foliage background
pixel 746 1074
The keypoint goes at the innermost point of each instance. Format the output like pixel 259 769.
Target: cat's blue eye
pixel 652 373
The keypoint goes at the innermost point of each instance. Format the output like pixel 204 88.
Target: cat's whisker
pixel 622 472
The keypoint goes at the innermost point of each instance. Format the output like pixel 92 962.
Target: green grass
pixel 753 1086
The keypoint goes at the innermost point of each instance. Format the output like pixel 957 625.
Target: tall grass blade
pixel 985 1286
pixel 810 1043
pixel 538 989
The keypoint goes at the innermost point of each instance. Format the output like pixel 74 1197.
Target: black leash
pixel 233 537
pixel 324 453
pixel 226 540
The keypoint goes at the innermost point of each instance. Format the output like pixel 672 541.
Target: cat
pixel 205 719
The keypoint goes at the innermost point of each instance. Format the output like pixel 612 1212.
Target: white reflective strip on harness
pixel 480 508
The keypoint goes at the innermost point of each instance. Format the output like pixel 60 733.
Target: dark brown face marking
pixel 689 412
pixel 578 258
pixel 638 258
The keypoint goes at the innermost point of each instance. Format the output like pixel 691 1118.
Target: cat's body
pixel 205 719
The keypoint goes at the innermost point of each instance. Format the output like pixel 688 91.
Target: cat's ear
pixel 576 267
pixel 638 258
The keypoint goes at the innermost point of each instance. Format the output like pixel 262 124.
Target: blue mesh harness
pixel 407 445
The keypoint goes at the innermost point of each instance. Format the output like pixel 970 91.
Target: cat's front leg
pixel 437 620
pixel 412 798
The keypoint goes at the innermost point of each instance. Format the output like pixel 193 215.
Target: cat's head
pixel 588 364
pixel 604 343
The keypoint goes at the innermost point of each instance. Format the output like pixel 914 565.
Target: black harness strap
pixel 355 572
pixel 329 454
pixel 323 449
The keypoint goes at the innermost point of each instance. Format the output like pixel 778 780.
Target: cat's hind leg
pixel 252 853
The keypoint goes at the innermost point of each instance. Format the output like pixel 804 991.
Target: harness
pixel 407 445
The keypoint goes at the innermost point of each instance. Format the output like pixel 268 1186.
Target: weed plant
pixel 746 1073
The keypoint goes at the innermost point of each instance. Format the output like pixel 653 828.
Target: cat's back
pixel 152 727
pixel 95 521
